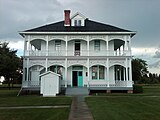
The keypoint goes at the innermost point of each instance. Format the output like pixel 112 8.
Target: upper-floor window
pixel 77 22
pixel 57 45
pixel 97 45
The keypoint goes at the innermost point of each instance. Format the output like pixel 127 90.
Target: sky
pixel 141 16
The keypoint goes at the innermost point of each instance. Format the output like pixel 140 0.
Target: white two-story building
pixel 84 52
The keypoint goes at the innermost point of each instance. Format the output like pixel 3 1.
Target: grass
pixel 144 106
pixel 35 114
pixel 9 98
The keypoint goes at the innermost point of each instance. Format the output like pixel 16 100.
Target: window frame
pixel 57 45
pixel 97 72
pixel 78 23
pixel 97 45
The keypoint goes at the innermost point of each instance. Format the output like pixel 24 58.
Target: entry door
pixel 77 49
pixel 74 78
pixel 77 78
pixel 80 78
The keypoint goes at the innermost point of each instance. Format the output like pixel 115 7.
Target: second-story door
pixel 77 48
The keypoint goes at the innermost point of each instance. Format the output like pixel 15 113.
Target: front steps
pixel 73 91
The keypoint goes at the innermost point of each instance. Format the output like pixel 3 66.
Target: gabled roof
pixel 77 13
pixel 49 72
pixel 90 26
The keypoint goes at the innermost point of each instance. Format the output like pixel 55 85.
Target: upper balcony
pixel 88 46
pixel 78 53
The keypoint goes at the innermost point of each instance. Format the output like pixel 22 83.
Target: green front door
pixel 80 78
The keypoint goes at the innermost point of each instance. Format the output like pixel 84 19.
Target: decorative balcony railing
pixel 103 83
pixel 78 53
pixel 92 83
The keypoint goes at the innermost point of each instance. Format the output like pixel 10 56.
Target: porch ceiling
pixel 36 44
pixel 118 43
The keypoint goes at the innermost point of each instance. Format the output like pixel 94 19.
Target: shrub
pixel 137 89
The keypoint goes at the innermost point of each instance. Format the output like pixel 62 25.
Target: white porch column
pixel 107 65
pixel 129 46
pixel 47 40
pixel 27 69
pixel 46 64
pixel 125 44
pixel 65 72
pixel 126 69
pixel 25 46
pixel 88 45
pixel 29 43
pixel 88 72
pixel 107 44
pixel 66 44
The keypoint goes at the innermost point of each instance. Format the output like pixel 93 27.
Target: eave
pixel 81 33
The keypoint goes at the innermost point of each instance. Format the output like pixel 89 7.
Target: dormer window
pixel 77 22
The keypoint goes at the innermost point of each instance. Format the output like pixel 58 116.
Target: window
pixel 98 72
pixel 57 45
pixel 77 22
pixel 94 72
pixel 101 72
pixel 57 69
pixel 97 45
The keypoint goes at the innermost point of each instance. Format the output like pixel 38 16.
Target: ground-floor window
pixel 98 72
pixel 57 69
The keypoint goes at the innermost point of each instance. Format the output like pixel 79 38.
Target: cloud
pixel 19 15
pixel 157 54
pixel 16 45
pixel 143 51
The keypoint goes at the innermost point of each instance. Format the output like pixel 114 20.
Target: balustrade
pixel 77 53
pixel 103 83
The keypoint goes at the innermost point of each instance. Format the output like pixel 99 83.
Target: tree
pixel 9 63
pixel 139 69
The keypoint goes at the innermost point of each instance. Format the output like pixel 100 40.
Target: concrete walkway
pixel 79 109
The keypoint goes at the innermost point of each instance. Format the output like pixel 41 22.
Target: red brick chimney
pixel 66 17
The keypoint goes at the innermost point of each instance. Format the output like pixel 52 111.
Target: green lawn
pixel 144 106
pixel 35 114
pixel 9 98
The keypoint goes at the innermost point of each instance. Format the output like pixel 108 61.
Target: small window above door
pixel 57 45
pixel 97 45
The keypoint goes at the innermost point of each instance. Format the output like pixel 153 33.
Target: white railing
pixel 77 53
pixel 56 53
pixel 97 83
pixel 30 84
pixel 103 83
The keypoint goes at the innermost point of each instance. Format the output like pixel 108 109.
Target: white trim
pixel 121 33
pixel 77 13
pixel 48 73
